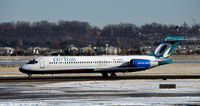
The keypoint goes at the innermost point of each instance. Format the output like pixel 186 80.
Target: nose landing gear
pixel 29 75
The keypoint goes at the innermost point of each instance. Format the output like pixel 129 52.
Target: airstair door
pixel 42 64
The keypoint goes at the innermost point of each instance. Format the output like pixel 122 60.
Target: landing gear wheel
pixel 113 75
pixel 105 75
pixel 29 75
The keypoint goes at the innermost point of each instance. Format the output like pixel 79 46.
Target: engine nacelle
pixel 143 63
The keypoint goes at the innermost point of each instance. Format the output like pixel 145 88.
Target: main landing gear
pixel 105 75
pixel 113 75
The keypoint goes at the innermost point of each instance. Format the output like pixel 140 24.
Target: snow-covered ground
pixel 117 92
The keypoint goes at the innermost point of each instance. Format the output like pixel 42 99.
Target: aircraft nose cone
pixel 22 69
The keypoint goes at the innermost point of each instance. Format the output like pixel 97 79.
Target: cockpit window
pixel 32 61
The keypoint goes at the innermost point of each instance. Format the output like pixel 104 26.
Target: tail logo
pixel 163 50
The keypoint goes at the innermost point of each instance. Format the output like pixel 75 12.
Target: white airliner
pixel 102 64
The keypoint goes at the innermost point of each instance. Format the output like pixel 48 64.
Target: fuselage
pixel 82 64
pixel 102 64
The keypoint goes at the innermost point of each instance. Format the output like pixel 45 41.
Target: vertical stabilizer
pixel 166 47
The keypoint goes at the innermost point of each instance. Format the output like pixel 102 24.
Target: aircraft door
pixel 42 64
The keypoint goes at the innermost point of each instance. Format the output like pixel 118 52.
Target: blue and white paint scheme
pixel 102 64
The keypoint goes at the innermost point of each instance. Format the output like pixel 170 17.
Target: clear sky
pixel 102 12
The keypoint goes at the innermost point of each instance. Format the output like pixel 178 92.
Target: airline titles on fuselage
pixel 73 60
pixel 64 59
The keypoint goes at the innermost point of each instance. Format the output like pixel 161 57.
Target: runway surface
pixel 109 92
pixel 138 88
pixel 91 78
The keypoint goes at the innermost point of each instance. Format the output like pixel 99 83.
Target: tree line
pixel 63 33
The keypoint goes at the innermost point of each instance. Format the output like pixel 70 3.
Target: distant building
pixel 109 50
pixel 112 50
pixel 89 50
pixel 6 50
pixel 100 50
pixel 146 49
pixel 54 51
pixel 72 48
pixel 86 50
pixel 38 50
pixel 180 50
pixel 187 49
